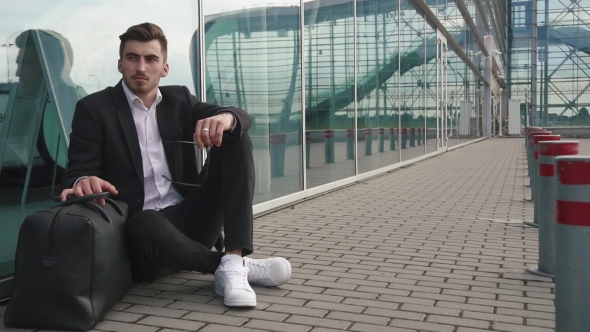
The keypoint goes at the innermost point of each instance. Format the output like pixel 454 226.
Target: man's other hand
pixel 88 186
pixel 209 131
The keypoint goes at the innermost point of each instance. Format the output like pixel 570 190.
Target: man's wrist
pixel 76 182
pixel 233 122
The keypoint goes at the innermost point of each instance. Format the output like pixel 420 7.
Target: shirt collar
pixel 132 97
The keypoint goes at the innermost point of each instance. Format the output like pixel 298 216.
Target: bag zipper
pixel 50 260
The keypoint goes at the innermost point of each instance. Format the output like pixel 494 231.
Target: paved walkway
pixel 436 246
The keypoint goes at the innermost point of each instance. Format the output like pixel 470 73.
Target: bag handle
pixel 71 200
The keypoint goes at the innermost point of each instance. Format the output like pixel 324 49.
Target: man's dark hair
pixel 144 32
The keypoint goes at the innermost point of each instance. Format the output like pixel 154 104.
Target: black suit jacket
pixel 104 141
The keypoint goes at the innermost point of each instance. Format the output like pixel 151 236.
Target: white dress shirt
pixel 159 192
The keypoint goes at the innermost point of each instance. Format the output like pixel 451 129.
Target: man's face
pixel 142 65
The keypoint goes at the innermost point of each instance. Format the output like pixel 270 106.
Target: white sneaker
pixel 232 284
pixel 274 271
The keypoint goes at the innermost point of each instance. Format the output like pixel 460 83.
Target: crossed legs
pixel 181 237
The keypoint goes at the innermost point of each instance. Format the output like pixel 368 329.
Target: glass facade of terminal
pixel 549 63
pixel 337 89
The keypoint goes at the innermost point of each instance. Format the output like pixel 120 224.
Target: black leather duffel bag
pixel 71 265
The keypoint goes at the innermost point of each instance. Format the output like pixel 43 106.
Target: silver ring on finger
pixel 205 129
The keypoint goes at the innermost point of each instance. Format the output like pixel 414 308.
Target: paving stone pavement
pixel 436 246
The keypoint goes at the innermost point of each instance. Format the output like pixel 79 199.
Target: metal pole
pixel 8 46
pixel 487 92
pixel 535 115
pixel 377 79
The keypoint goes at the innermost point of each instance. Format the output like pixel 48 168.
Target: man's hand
pixel 87 186
pixel 209 131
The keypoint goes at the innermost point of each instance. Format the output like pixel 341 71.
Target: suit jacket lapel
pixel 128 126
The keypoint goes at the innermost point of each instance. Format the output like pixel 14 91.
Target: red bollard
pixel 572 244
pixel 307 149
pixel 391 139
pixel 329 146
pixel 532 172
pixel 349 144
pixel 277 154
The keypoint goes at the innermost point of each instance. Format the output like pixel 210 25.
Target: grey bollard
pixel 572 244
pixel 412 137
pixel 368 141
pixel 528 149
pixel 307 149
pixel 535 174
pixel 381 139
pixel 419 133
pixel 329 146
pixel 349 144
pixel 532 169
pixel 404 138
pixel 392 139
pixel 548 151
pixel 277 154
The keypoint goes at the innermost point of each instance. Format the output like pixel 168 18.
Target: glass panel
pixel 329 90
pixel 431 72
pixel 454 95
pixel 253 60
pixel 378 84
pixel 47 69
pixel 411 78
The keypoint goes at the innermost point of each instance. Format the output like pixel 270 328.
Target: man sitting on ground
pixel 131 140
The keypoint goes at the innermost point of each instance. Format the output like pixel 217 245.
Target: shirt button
pixel 149 138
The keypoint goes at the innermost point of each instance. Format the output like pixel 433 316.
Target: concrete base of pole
pixel 532 224
pixel 534 270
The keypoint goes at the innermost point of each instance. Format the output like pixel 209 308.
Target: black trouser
pixel 181 237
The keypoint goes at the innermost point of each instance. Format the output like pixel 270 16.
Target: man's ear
pixel 165 70
pixel 120 66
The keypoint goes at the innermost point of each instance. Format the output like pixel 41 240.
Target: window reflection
pixel 378 69
pixel 411 87
pixel 329 43
pixel 44 71
pixel 253 60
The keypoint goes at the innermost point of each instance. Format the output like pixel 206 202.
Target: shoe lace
pixel 258 270
pixel 238 278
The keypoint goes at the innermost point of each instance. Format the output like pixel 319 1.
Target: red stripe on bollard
pixel 544 137
pixel 566 148
pixel 574 172
pixel 404 131
pixel 572 213
pixel 328 134
pixel 349 133
pixel 380 131
pixel 546 170
pixel 277 139
pixel 307 136
pixel 391 131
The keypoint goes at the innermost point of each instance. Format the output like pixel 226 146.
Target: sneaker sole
pixel 234 303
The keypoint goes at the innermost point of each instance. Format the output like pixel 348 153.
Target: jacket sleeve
pixel 85 150
pixel 201 110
